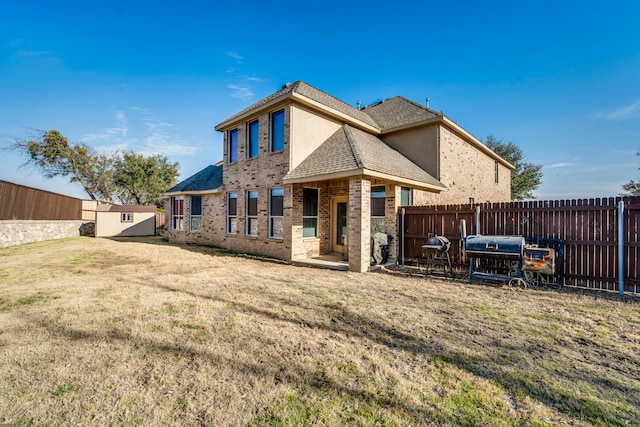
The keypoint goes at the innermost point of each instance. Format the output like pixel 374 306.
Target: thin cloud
pixel 23 53
pixel 161 144
pixel 619 113
pixel 141 132
pixel 241 92
pixel 559 165
pixel 236 56
pixel 113 137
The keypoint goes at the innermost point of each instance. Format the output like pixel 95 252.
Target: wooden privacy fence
pixel 588 229
pixel 18 202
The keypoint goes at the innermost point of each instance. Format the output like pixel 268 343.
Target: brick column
pixel 392 220
pixel 359 231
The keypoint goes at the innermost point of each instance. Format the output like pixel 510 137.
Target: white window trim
pixel 227 225
pixel 254 217
pixel 271 236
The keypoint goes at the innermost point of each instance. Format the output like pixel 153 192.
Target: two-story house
pixel 305 174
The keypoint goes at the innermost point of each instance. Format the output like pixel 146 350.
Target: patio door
pixel 339 222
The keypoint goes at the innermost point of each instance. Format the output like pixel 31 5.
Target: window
pixel 252 213
pixel 232 213
pixel 126 217
pixel 405 196
pixel 309 212
pixel 177 213
pixel 377 209
pixel 196 213
pixel 496 172
pixel 253 140
pixel 232 146
pixel 277 131
pixel 276 213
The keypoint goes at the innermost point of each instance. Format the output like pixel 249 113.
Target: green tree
pixel 51 152
pixel 632 188
pixel 526 177
pixel 142 180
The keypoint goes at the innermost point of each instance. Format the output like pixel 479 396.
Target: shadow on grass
pixel 334 318
pixel 557 394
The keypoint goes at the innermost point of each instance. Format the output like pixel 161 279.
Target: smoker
pixel 495 257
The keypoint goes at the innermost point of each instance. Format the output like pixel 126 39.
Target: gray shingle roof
pixel 398 111
pixel 208 178
pixel 349 150
pixel 311 93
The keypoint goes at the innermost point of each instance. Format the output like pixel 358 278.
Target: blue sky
pixel 559 79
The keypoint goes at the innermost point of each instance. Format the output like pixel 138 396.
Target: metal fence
pixel 18 202
pixel 588 229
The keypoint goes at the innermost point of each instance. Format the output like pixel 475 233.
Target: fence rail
pixel 588 227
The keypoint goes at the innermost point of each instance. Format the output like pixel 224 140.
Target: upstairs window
pixel 277 131
pixel 232 213
pixel 232 146
pixel 177 213
pixel 495 172
pixel 252 213
pixel 196 213
pixel 276 213
pixel 309 212
pixel 253 139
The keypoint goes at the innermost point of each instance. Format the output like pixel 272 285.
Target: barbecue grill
pixel 436 252
pixel 495 257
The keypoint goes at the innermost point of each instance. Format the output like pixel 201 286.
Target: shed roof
pixel 126 208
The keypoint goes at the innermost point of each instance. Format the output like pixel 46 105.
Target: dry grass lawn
pixel 139 332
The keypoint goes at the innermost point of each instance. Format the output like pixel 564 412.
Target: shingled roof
pixel 207 180
pixel 399 111
pixel 307 91
pixel 350 152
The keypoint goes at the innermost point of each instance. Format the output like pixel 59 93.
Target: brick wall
pixel 468 173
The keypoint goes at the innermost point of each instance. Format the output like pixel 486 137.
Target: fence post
pixel 402 234
pixel 478 220
pixel 621 247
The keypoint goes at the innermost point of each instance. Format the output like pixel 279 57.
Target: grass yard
pixel 139 332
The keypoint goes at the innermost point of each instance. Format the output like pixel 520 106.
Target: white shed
pixel 119 220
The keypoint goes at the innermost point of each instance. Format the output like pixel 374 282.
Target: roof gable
pixel 297 90
pixel 350 152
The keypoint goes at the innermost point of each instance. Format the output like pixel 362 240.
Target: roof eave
pixel 364 172
pixel 301 99
pixel 229 123
pixel 345 118
pixel 425 122
pixel 192 192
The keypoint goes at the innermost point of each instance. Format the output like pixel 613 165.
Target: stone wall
pixel 14 233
